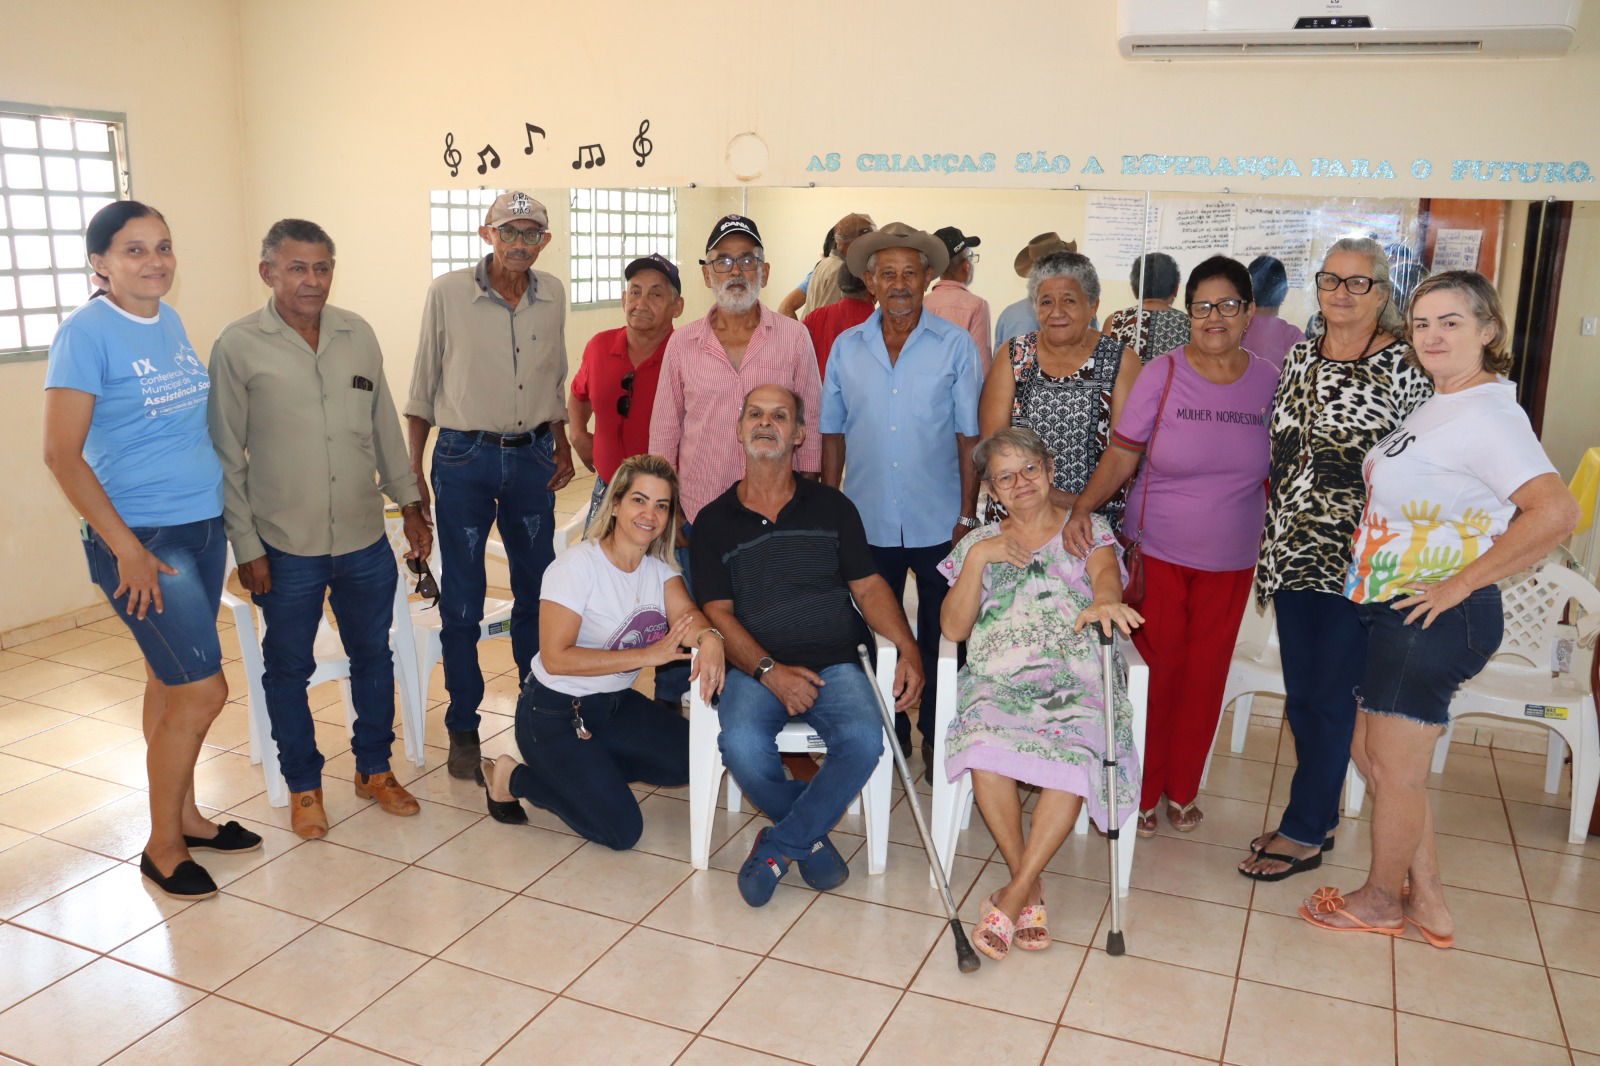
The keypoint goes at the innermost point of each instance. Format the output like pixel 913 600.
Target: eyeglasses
pixel 427 587
pixel 625 401
pixel 724 263
pixel 1006 478
pixel 973 257
pixel 509 234
pixel 1226 308
pixel 1359 285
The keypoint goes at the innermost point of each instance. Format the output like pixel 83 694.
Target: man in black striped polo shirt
pixel 781 565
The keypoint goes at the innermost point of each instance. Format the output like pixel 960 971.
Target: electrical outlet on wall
pixel 1586 328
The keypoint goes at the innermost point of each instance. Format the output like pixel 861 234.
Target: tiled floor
pixel 449 938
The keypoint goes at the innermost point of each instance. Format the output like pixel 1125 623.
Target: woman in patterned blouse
pixel 1338 396
pixel 1155 327
pixel 1067 382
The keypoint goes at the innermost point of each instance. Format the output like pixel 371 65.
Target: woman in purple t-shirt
pixel 1197 508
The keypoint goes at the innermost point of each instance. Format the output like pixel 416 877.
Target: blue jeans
pixel 931 587
pixel 585 782
pixel 846 719
pixel 672 680
pixel 478 484
pixel 1324 651
pixel 180 643
pixel 360 585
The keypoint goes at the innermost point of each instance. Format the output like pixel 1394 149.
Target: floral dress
pixel 1150 333
pixel 1030 694
pixel 1071 414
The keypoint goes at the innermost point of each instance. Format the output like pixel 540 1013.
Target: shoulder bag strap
pixel 1144 498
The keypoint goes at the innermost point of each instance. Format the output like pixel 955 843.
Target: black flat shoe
pixel 232 838
pixel 188 881
pixel 508 811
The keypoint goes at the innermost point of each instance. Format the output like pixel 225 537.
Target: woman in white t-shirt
pixel 1459 496
pixel 609 607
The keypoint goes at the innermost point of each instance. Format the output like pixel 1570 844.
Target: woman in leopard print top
pixel 1338 396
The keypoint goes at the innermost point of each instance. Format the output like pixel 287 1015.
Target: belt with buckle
pixel 514 440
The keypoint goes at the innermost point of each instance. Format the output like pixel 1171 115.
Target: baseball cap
pixel 733 224
pixel 516 206
pixel 955 242
pixel 654 261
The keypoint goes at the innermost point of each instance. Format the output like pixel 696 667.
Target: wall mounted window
pixel 57 168
pixel 454 216
pixel 610 229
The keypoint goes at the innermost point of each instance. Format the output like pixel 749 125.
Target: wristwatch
pixel 967 521
pixel 762 667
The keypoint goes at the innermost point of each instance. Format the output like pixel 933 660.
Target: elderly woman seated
pixel 1030 708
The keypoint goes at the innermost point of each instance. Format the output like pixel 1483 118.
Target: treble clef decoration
pixel 452 155
pixel 642 147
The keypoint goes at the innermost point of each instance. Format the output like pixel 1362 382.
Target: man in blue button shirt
pixel 901 401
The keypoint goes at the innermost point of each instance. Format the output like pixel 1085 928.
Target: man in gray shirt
pixel 303 422
pixel 490 373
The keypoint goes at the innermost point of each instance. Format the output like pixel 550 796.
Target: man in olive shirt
pixel 490 373
pixel 303 422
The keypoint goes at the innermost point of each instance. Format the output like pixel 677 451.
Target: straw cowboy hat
pixel 897 235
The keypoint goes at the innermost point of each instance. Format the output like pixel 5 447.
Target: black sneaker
pixel 465 754
pixel 188 881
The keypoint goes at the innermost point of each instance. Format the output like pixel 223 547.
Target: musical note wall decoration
pixel 492 161
pixel 532 129
pixel 452 155
pixel 590 155
pixel 642 146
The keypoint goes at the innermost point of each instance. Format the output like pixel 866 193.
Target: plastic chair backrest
pixel 1533 608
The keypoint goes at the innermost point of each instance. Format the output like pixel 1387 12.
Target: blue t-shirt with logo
pixel 148 442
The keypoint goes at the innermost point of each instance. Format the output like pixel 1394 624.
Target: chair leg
pixel 1355 791
pixel 1241 721
pixel 1555 758
pixel 735 801
pixel 705 771
pixel 877 798
pixel 1585 771
pixel 1125 845
pixel 1441 750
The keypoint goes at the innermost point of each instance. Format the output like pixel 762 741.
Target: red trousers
pixel 1191 619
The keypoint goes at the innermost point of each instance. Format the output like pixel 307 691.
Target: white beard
pixel 735 302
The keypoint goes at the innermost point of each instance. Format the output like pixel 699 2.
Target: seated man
pixel 777 562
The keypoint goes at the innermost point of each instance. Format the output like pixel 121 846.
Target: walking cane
pixel 966 959
pixel 1108 769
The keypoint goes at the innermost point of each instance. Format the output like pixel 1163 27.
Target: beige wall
pixel 244 111
pixel 172 69
pixel 1572 402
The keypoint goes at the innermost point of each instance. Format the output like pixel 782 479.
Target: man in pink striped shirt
pixel 711 365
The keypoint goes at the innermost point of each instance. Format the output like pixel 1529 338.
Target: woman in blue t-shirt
pixel 126 438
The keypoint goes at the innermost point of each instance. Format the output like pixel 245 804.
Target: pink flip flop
pixel 1033 916
pixel 995 926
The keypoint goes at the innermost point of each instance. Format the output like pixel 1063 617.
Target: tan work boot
pixel 306 816
pixel 389 793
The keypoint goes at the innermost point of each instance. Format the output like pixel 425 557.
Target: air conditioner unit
pixel 1215 29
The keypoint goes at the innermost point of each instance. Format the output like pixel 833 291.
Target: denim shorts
pixel 180 643
pixel 1414 672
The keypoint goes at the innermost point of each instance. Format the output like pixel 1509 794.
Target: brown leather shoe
pixel 306 816
pixel 389 793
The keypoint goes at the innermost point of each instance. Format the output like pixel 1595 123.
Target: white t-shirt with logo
pixel 1439 490
pixel 619 610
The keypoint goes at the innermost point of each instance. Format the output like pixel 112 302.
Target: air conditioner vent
pixel 1191 51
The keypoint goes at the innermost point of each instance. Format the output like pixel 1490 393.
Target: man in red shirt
pixel 616 381
pixel 826 323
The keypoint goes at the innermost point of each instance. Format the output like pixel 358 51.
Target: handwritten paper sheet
pixel 1456 249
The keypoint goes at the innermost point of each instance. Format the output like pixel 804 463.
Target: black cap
pixel 955 241
pixel 654 261
pixel 733 224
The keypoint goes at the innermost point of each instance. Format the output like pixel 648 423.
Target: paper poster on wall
pixel 1193 231
pixel 1115 230
pixel 1456 249
pixel 1279 230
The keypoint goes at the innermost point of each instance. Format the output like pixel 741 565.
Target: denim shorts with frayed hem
pixel 180 642
pixel 1414 672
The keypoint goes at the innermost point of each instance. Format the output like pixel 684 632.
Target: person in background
pixel 612 606
pixel 1459 496
pixel 1030 695
pixel 1269 336
pixel 954 301
pixel 1066 381
pixel 792 303
pixel 1019 318
pixel 1155 326
pixel 298 399
pixel 1339 394
pixel 616 380
pixel 490 372
pixel 824 287
pixel 1197 415
pixel 125 437
pixel 899 422
pixel 826 323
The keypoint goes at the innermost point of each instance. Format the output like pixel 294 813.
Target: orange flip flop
pixel 1430 936
pixel 1326 900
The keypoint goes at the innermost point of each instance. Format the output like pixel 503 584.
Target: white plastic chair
pixel 1520 682
pixel 425 621
pixel 332 664
pixel 706 769
pixel 952 801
